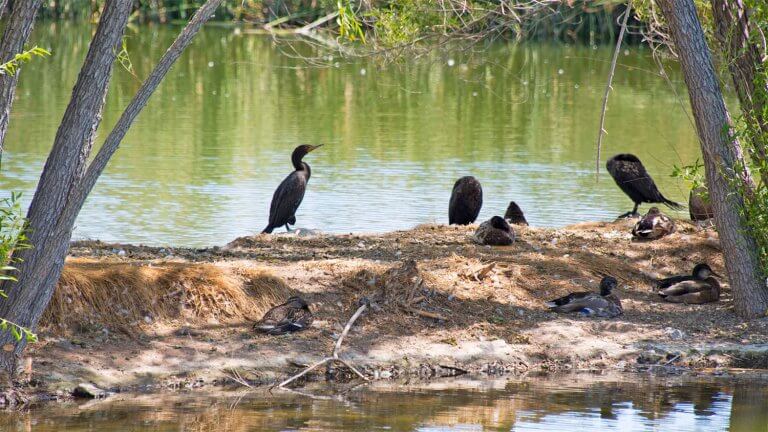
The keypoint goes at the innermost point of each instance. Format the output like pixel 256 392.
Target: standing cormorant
pixel 515 214
pixel 466 201
pixel 289 194
pixel 631 176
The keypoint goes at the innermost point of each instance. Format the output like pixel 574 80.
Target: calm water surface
pixel 555 404
pixel 201 163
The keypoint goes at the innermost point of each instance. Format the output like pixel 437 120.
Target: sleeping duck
pixel 697 288
pixel 653 225
pixel 494 232
pixel 605 305
pixel 293 315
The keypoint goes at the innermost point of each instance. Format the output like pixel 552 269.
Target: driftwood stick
pixel 305 371
pixel 609 86
pixel 351 321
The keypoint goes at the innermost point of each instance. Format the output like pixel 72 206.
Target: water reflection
pixel 629 403
pixel 202 161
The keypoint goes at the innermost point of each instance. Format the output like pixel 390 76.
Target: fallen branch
pixel 425 314
pixel 336 349
pixel 609 86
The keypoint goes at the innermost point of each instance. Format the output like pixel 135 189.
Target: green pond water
pixel 200 164
pixel 562 403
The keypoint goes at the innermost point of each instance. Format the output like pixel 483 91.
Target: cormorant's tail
pixel 268 229
pixel 671 204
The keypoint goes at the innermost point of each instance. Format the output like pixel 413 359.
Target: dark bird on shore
pixel 293 315
pixel 515 214
pixel 494 232
pixel 466 201
pixel 631 176
pixel 700 287
pixel 604 305
pixel 290 193
pixel 653 225
pixel 699 206
pixel 700 272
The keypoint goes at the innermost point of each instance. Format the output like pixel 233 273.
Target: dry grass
pixel 127 296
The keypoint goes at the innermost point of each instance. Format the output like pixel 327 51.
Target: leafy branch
pixel 12 66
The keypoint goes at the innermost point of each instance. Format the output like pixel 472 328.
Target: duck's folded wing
pixel 572 302
pixel 295 320
pixel 668 282
pixel 565 300
pixel 681 288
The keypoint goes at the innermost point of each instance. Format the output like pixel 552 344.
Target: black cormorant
pixel 293 315
pixel 466 201
pixel 515 214
pixel 606 304
pixel 631 176
pixel 289 194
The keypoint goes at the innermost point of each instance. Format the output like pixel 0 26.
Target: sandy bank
pixel 181 317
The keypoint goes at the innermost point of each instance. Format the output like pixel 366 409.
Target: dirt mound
pixel 126 296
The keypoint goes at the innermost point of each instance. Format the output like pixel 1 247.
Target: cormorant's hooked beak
pixel 314 147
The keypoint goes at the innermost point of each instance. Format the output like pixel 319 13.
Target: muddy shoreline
pixel 181 318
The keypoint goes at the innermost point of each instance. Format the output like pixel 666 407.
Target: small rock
pixel 88 391
pixel 674 334
pixel 121 252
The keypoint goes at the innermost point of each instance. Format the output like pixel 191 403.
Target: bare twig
pixel 609 86
pixel 336 349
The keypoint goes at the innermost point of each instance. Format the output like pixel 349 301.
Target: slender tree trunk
pixel 723 158
pixel 66 183
pixel 17 31
pixel 40 266
pixel 734 33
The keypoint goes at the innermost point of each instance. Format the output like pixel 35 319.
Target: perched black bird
pixel 293 315
pixel 700 272
pixel 466 201
pixel 631 176
pixel 515 214
pixel 289 194
pixel 699 206
pixel 494 232
pixel 606 304
pixel 701 288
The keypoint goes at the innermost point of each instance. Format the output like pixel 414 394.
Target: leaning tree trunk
pixel 67 180
pixel 17 31
pixel 736 35
pixel 723 158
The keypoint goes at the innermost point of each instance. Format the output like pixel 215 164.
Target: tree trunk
pixel 65 183
pixel 723 158
pixel 17 31
pixel 734 32
pixel 40 266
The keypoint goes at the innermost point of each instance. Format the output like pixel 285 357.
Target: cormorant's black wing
pixel 630 175
pixel 287 199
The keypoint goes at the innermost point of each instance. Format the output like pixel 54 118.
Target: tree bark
pixel 734 32
pixel 65 183
pixel 40 266
pixel 723 159
pixel 17 31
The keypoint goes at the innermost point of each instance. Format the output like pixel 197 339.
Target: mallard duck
pixel 494 232
pixel 466 201
pixel 293 315
pixel 630 175
pixel 514 214
pixel 699 287
pixel 699 206
pixel 605 305
pixel 653 225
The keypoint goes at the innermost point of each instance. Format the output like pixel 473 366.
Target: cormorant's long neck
pixel 296 158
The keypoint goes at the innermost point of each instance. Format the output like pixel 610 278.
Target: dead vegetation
pixel 131 296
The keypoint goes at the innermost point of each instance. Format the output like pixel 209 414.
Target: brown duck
pixel 494 232
pixel 605 304
pixel 697 288
pixel 653 225
pixel 293 315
